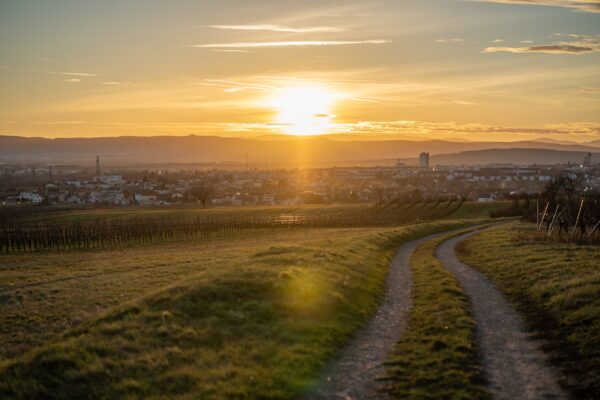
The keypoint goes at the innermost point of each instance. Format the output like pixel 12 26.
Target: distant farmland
pixel 93 229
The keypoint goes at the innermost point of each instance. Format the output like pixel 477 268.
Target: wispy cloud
pixel 278 28
pixel 425 129
pixel 591 90
pixel 58 123
pixel 241 85
pixel 580 44
pixel 113 83
pixel 498 41
pixel 454 40
pixel 297 43
pixel 231 51
pixel 437 129
pixel 73 80
pixel 548 49
pixel 84 74
pixel 581 5
pixel 464 103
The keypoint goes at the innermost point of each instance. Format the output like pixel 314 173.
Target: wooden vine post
pixel 543 216
pixel 552 222
pixel 578 215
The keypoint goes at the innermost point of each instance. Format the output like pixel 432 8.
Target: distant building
pixel 111 179
pixel 486 198
pixel 424 160
pixel 31 197
pixel 587 160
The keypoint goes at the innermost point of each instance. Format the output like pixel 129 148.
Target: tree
pixel 201 194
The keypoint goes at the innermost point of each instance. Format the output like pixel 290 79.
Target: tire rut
pixel 354 374
pixel 513 363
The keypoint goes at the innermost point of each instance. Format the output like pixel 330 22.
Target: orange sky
pixel 473 70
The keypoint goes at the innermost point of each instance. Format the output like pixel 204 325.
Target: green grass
pixel 245 319
pixel 435 358
pixel 44 294
pixel 472 209
pixel 557 288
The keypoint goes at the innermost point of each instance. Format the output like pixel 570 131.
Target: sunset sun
pixel 303 110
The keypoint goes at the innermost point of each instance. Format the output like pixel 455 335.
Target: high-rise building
pixel 424 160
pixel 587 161
pixel 98 165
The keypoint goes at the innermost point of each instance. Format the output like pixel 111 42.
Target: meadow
pixel 555 286
pixel 247 317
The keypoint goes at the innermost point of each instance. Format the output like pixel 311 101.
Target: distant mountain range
pixel 513 156
pixel 282 150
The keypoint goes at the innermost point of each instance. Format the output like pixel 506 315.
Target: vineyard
pixel 563 212
pixel 59 232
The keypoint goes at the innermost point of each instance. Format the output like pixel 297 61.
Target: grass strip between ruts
pixel 436 357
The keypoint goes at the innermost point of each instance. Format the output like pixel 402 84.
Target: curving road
pixel 514 365
pixel 354 375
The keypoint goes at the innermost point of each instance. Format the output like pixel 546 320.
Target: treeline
pixel 22 236
pixel 565 210
pixel 569 209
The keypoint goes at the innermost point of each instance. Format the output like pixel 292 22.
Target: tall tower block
pixel 424 160
pixel 98 165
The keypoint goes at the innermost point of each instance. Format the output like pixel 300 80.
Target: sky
pixel 488 70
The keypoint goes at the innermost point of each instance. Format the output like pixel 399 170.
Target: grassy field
pixel 239 318
pixel 471 209
pixel 557 287
pixel 436 357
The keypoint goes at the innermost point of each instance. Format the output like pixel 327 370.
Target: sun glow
pixel 304 110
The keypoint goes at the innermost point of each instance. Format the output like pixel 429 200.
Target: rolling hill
pixel 284 151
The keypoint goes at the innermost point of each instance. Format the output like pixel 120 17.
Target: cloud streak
pixel 548 49
pixel 455 40
pixel 580 5
pixel 278 28
pixel 84 74
pixel 297 43
pixel 581 45
pixel 423 129
pixel 114 83
pixel 231 51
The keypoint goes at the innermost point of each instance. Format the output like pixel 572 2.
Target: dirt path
pixel 512 361
pixel 353 376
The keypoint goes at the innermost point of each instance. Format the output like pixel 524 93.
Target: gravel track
pixel 513 363
pixel 354 375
